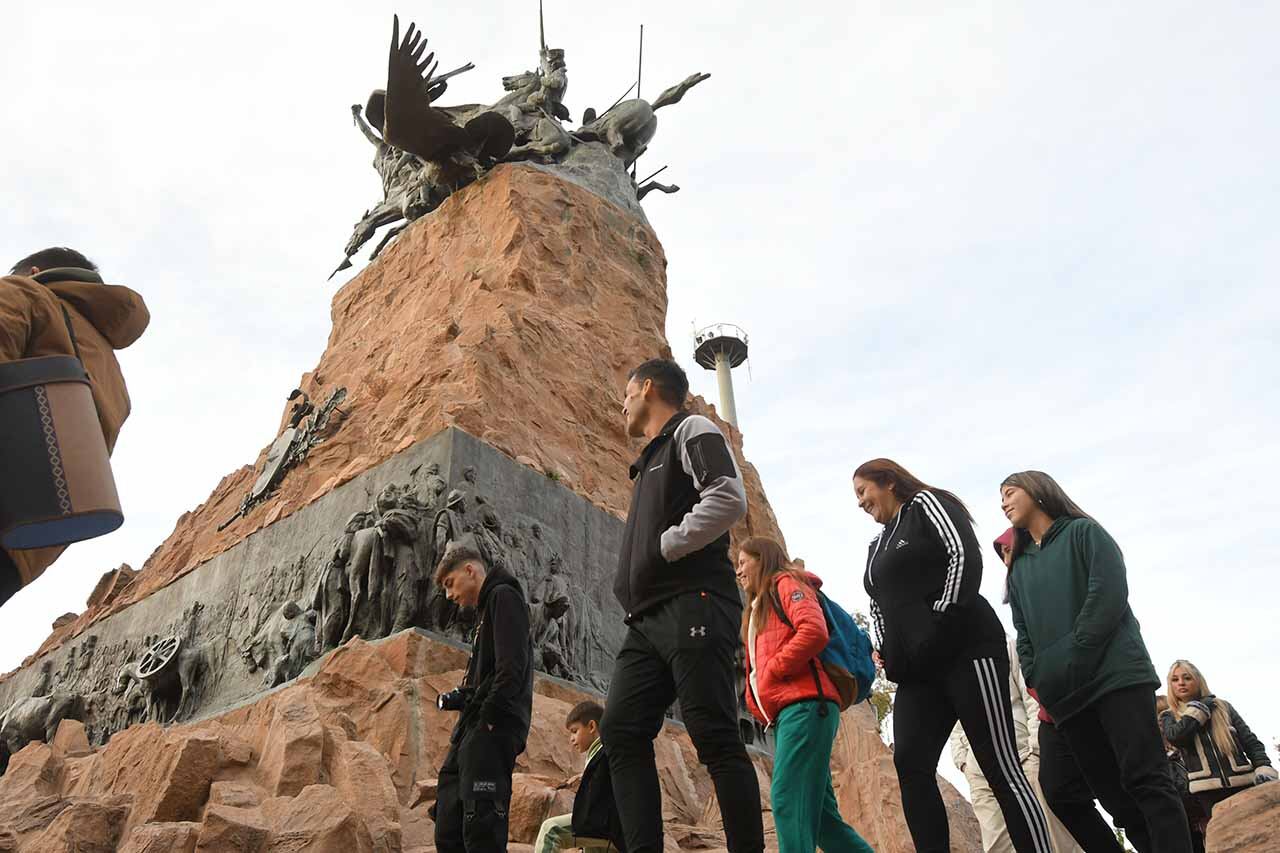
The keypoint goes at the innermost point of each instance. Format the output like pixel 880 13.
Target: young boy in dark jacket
pixel 594 823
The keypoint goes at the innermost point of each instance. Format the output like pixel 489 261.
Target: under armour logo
pixel 901 542
pixel 700 631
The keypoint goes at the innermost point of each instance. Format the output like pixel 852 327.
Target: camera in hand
pixel 455 700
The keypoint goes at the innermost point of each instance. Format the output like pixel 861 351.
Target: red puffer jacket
pixel 778 668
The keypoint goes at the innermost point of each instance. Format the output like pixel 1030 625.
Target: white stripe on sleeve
pixel 933 509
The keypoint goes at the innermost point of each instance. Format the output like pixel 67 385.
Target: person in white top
pixel 1026 726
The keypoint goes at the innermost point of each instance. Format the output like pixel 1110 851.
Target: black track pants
pixel 1115 741
pixel 1071 798
pixel 474 792
pixel 681 649
pixel 976 692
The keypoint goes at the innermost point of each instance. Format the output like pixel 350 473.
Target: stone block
pixel 162 838
pixel 71 740
pixel 241 795
pixel 362 776
pixel 175 785
pixel 1249 821
pixel 33 770
pixel 294 745
pixel 531 798
pixel 318 820
pixel 424 793
pixel 85 826
pixel 227 828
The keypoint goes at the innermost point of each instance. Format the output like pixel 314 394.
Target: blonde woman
pixel 1221 754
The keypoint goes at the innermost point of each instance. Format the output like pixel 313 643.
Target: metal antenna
pixel 654 175
pixel 640 61
pixel 542 32
pixel 624 94
pixel 639 75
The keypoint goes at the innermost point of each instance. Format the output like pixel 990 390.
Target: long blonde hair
pixel 773 561
pixel 1219 723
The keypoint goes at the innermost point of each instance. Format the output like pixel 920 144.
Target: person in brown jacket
pixel 55 303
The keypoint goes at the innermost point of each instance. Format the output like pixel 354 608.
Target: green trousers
pixel 804 804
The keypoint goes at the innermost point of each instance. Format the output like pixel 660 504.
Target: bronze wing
pixel 410 122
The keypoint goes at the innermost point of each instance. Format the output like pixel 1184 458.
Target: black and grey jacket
pixel 1207 768
pixel 688 492
pixel 501 666
pixel 923 574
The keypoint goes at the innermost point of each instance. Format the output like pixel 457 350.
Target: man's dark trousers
pixel 682 648
pixel 1115 739
pixel 473 797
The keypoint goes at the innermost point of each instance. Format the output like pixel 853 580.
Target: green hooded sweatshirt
pixel 1077 638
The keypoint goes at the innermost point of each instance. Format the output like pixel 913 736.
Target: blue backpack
pixel 847 656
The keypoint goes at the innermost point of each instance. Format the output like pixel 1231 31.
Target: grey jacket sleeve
pixel 706 457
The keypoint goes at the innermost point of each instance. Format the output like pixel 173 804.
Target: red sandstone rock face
pixel 1249 822
pixel 347 761
pixel 514 311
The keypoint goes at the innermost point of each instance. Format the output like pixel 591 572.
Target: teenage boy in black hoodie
pixel 676 585
pixel 496 701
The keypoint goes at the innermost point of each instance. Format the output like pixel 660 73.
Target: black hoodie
pixel 501 665
pixel 923 574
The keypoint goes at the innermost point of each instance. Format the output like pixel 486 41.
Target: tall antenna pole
pixel 640 62
pixel 639 74
pixel 542 32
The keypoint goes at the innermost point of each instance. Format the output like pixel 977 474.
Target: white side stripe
pixel 879 622
pixel 954 545
pixel 1006 751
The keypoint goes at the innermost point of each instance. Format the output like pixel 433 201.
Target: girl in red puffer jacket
pixel 789 691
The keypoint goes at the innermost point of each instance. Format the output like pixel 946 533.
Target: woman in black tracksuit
pixel 943 645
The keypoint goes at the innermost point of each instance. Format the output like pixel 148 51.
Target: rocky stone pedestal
pixel 345 760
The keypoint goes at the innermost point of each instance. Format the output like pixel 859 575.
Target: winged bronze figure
pixel 423 153
pixel 410 122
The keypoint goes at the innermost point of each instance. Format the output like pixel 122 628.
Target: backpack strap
pixel 813 664
pixel 777 608
pixel 822 699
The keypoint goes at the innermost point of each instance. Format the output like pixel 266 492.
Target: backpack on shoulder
pixel 847 656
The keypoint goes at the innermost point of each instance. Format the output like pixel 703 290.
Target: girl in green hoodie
pixel 1082 651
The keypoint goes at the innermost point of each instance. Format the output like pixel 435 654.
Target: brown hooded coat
pixel 103 317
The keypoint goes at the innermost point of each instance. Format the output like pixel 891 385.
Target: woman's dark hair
pixel 890 475
pixel 52 258
pixel 1048 495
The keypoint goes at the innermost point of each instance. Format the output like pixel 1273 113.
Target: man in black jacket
pixel 496 701
pixel 675 581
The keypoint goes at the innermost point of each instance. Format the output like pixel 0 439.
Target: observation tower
pixel 721 348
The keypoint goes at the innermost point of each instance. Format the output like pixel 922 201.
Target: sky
pixel 975 238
